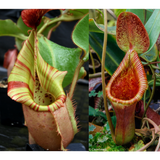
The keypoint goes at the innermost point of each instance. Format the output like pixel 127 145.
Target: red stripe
pixel 37 108
pixel 34 106
pixel 30 46
pixel 48 108
pixel 25 57
pixel 44 76
pixel 50 77
pixel 43 72
pixel 24 101
pixel 18 84
pixel 19 95
pixel 57 104
pixel 22 64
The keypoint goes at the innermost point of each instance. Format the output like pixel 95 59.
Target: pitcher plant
pixel 128 83
pixel 42 69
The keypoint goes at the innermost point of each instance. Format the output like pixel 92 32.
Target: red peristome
pixel 48 109
pixel 131 33
pixel 18 84
pixel 126 85
pixel 62 98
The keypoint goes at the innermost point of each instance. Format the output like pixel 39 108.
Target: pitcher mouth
pixel 34 82
pixel 128 84
pixel 43 98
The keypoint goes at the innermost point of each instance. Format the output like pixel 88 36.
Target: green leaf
pixel 114 54
pixel 25 29
pixel 22 26
pixel 117 12
pixel 73 14
pixel 102 139
pixel 94 27
pixel 151 55
pixel 91 128
pixel 137 146
pixel 93 112
pixel 90 136
pixel 113 118
pixel 99 28
pixel 150 8
pixel 78 12
pixel 92 93
pixel 153 28
pixel 100 93
pixel 158 60
pixel 150 83
pixel 99 16
pixel 80 35
pixel 47 29
pixel 9 28
pixel 19 43
pixel 148 14
pixel 111 30
pixel 96 41
pixel 62 58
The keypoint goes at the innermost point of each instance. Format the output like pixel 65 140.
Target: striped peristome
pixel 30 68
pixel 38 86
pixel 131 59
pixel 132 81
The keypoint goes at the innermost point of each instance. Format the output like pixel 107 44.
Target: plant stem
pixel 100 12
pixel 48 23
pixel 149 143
pixel 103 76
pixel 57 19
pixel 75 78
pixel 98 74
pixel 151 63
pixel 158 145
pixel 92 60
pixel 152 93
pixel 43 28
pixel 50 32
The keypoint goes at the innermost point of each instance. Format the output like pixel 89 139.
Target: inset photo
pixel 124 84
pixel 44 56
